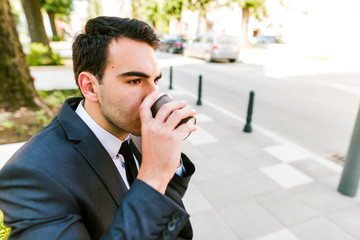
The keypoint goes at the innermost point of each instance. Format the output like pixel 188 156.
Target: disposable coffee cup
pixel 165 98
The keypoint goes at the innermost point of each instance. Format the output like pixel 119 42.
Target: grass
pixel 4 231
pixel 24 123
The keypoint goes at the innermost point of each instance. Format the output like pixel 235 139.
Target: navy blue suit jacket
pixel 62 184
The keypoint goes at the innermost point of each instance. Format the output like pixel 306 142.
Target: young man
pixel 69 181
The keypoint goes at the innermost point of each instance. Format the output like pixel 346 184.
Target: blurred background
pixel 299 57
pixel 321 28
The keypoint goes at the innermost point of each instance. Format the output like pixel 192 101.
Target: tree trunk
pixel 54 29
pixel 35 21
pixel 16 85
pixel 244 40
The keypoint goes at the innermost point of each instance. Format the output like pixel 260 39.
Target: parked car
pixel 214 47
pixel 173 43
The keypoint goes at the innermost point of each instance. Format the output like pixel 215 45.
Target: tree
pixel 173 8
pixel 203 6
pixel 56 8
pixel 254 8
pixel 35 21
pixel 148 11
pixel 95 8
pixel 16 85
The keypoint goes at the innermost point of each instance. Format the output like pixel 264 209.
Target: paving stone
pixel 249 220
pixel 322 198
pixel 286 175
pixel 319 229
pixel 285 153
pixel 210 225
pixel 221 191
pixel 201 136
pixel 256 183
pixel 253 153
pixel 313 169
pixel 195 201
pixel 348 219
pixel 284 234
pixel 287 208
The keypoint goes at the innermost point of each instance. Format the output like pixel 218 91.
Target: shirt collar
pixel 111 143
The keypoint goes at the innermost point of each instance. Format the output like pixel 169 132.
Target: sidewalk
pixel 254 185
pixel 259 186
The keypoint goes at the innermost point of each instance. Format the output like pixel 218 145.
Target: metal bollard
pixel 200 91
pixel 170 85
pixel 351 174
pixel 247 127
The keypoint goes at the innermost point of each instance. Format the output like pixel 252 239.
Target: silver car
pixel 213 47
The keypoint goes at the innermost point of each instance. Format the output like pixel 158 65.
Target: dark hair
pixel 90 48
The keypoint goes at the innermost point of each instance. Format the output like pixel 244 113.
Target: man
pixel 70 182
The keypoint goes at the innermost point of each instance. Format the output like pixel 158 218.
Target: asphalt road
pixel 311 102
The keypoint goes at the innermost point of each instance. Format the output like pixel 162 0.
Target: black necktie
pixel 130 165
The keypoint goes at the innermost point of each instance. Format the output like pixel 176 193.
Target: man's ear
pixel 89 86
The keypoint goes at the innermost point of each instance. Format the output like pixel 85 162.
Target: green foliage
pixel 62 7
pixel 173 8
pixel 4 231
pixel 257 8
pixel 42 118
pixel 7 124
pixel 57 38
pixel 200 5
pixel 54 98
pixel 41 55
pixel 147 10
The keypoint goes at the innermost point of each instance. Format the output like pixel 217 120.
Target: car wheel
pixel 208 57
pixel 232 60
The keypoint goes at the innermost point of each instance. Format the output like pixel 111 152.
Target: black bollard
pixel 170 86
pixel 200 91
pixel 247 127
pixel 351 173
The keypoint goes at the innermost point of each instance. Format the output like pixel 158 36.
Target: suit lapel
pixel 103 166
pixel 92 150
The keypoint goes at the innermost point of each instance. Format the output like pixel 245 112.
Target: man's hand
pixel 162 141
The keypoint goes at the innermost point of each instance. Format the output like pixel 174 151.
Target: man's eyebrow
pixel 138 74
pixel 134 73
pixel 159 76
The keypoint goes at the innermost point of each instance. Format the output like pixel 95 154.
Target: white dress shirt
pixel 112 144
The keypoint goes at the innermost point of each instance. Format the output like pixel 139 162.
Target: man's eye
pixel 156 81
pixel 135 81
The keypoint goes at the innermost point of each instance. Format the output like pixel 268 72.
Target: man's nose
pixel 152 87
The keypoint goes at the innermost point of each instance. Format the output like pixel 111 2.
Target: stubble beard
pixel 118 122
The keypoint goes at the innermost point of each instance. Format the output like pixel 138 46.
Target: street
pixel 311 102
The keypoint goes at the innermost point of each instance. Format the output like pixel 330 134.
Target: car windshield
pixel 228 40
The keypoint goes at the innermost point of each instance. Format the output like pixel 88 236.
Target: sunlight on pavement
pixel 7 150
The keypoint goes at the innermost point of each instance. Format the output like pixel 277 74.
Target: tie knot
pixel 124 149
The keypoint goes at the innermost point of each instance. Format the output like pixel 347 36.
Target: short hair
pixel 90 48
